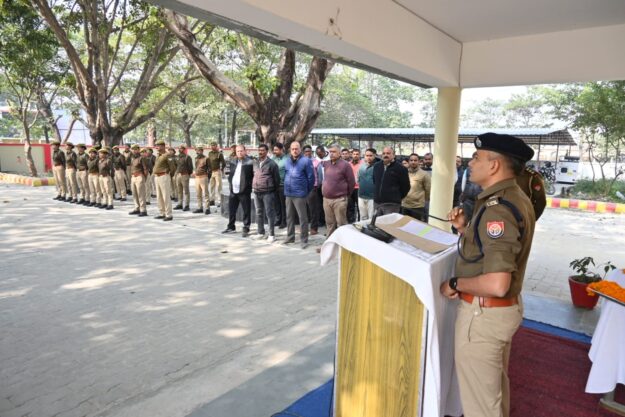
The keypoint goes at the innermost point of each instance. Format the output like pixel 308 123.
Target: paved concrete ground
pixel 104 314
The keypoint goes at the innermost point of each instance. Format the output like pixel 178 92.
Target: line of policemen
pixel 95 175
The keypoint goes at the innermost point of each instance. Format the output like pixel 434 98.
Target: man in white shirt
pixel 240 177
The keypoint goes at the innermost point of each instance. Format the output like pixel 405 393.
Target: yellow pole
pixel 445 148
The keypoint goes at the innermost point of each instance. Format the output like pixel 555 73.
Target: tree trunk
pixel 187 136
pixel 151 134
pixel 50 122
pixel 28 149
pixel 233 127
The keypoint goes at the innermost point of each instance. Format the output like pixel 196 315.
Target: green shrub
pixel 587 190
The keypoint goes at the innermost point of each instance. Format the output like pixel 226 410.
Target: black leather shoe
pixel 159 217
pixel 58 197
pixel 134 212
pixel 143 214
pixel 178 207
pixel 207 211
pixel 196 211
pixel 147 203
pixel 74 201
pixel 168 219
pixel 68 199
pixel 102 206
pixel 122 199
pixel 81 201
pixel 109 207
pixel 90 204
pixel 186 208
pixel 228 231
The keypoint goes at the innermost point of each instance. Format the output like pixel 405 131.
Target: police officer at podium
pixel 493 250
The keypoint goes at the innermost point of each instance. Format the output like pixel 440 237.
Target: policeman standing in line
pixel 162 177
pixel 202 173
pixel 171 152
pixel 105 165
pixel 93 170
pixel 70 172
pixel 128 161
pixel 139 173
pixel 493 252
pixel 184 169
pixel 58 159
pixel 119 164
pixel 83 174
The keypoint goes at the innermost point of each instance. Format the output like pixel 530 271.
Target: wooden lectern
pixel 390 335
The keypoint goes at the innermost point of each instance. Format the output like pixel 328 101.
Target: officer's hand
pixel 457 218
pixel 447 291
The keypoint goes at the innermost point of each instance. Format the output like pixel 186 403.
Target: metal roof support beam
pixel 445 146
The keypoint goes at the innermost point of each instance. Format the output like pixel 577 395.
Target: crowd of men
pixel 332 187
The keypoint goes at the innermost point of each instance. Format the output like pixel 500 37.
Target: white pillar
pixel 445 148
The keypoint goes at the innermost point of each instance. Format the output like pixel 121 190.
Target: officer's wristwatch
pixel 453 283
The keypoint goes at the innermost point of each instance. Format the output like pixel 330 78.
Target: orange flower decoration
pixel 609 288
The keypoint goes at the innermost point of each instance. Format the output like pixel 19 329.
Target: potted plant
pixel 584 276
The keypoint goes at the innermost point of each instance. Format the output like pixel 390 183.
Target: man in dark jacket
pixel 391 183
pixel 265 184
pixel 240 178
pixel 338 185
pixel 299 180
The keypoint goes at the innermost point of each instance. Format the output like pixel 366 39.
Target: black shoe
pixel 159 217
pixel 168 219
pixel 118 199
pixel 178 207
pixel 102 206
pixel 147 203
pixel 58 197
pixel 228 230
pixel 98 205
pixel 212 203
pixel 245 233
pixel 128 192
pixel 153 195
pixel 81 201
pixel 123 199
pixel 186 208
pixel 90 204
pixel 143 214
pixel 68 199
pixel 74 201
pixel 282 226
pixel 196 211
pixel 134 212
pixel 109 207
pixel 207 211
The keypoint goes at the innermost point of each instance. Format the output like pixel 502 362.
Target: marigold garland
pixel 609 288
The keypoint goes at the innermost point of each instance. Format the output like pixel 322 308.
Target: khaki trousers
pixel 163 194
pixel 138 192
pixel 201 192
pixel 94 187
pixel 106 186
pixel 72 182
pixel 182 184
pixel 128 177
pixel 214 187
pixel 59 179
pixel 335 210
pixel 83 180
pixel 148 187
pixel 482 352
pixel 120 182
pixel 174 187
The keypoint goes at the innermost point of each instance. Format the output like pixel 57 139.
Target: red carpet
pixel 548 376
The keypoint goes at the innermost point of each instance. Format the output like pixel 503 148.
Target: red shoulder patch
pixel 495 229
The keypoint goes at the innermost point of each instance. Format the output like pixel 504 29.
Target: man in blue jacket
pixel 299 180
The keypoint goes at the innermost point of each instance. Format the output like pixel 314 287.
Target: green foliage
pixel 596 190
pixel 353 98
pixel 581 267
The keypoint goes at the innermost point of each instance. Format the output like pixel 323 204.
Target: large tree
pixel 118 52
pixel 283 108
pixel 29 66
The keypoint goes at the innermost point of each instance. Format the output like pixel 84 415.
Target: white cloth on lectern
pixel 441 395
pixel 607 351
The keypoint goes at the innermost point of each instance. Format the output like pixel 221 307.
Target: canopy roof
pixel 441 43
pixel 530 136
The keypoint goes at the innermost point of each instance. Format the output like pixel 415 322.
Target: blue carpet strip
pixel 318 402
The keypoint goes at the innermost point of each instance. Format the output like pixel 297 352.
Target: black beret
pixel 504 144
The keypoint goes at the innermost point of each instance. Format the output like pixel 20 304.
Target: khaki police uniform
pixel 483 334
pixel 217 165
pixel 93 171
pixel 139 173
pixel 184 169
pixel 105 166
pixel 71 162
pixel 161 171
pixel 128 160
pixel 119 164
pixel 83 174
pixel 202 173
pixel 58 160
